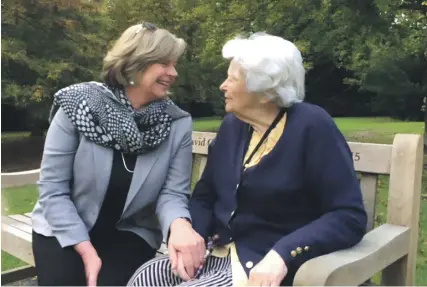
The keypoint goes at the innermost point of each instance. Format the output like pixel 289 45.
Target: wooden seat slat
pixel 368 184
pixel 9 221
pixel 17 243
pixel 22 218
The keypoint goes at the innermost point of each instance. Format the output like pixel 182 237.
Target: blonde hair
pixel 137 48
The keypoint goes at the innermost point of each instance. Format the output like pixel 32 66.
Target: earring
pixel 131 83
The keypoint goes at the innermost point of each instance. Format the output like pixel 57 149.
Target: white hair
pixel 272 65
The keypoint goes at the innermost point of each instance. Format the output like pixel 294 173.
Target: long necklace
pixel 124 163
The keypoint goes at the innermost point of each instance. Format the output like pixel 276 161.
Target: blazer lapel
pixel 144 164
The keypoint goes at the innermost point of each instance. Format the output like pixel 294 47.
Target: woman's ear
pixel 264 98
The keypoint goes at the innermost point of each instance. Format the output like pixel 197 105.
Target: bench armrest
pixel 378 249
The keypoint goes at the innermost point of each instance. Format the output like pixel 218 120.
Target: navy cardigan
pixel 302 200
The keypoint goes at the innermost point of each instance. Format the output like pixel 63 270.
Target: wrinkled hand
pixel 91 261
pixel 270 271
pixel 189 245
pixel 180 268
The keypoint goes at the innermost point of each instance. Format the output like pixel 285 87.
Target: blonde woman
pixel 115 174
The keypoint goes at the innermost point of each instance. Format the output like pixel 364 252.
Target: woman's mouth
pixel 164 83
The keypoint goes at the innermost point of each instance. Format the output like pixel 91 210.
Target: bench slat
pixel 371 158
pixel 163 249
pixel 22 218
pixel 17 224
pixel 17 243
pixel 201 141
pixel 368 184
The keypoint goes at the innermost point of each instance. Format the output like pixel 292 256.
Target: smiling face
pixel 157 79
pixel 237 98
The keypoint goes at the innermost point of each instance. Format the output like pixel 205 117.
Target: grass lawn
pixel 376 130
pixel 10 136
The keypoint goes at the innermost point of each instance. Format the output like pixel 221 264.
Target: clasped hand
pixel 186 249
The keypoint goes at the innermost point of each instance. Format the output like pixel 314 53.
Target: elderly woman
pixel 279 187
pixel 116 163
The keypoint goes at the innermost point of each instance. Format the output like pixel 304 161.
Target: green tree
pixel 47 45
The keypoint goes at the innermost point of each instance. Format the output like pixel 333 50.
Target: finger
pixel 204 259
pixel 202 252
pixel 172 257
pixel 187 260
pixel 197 256
pixel 181 269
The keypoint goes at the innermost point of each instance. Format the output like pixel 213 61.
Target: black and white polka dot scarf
pixel 105 116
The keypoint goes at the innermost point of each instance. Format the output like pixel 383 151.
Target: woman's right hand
pixel 91 261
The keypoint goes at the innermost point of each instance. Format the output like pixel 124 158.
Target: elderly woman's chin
pixel 231 105
pixel 228 106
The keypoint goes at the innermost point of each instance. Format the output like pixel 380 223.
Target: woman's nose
pixel 172 71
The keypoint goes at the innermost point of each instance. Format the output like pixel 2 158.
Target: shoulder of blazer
pixel 176 112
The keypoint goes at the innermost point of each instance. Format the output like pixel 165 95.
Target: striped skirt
pixel 158 272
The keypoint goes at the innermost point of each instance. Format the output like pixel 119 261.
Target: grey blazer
pixel 75 174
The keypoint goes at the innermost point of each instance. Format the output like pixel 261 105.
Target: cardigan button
pixel 293 253
pixel 249 264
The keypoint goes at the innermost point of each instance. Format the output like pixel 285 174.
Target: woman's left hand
pixel 270 271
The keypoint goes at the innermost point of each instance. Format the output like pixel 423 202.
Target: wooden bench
pixel 390 248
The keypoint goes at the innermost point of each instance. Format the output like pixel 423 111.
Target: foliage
pixel 47 45
pixel 363 57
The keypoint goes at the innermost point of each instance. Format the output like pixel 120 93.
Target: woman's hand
pixel 188 244
pixel 180 268
pixel 270 271
pixel 91 261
